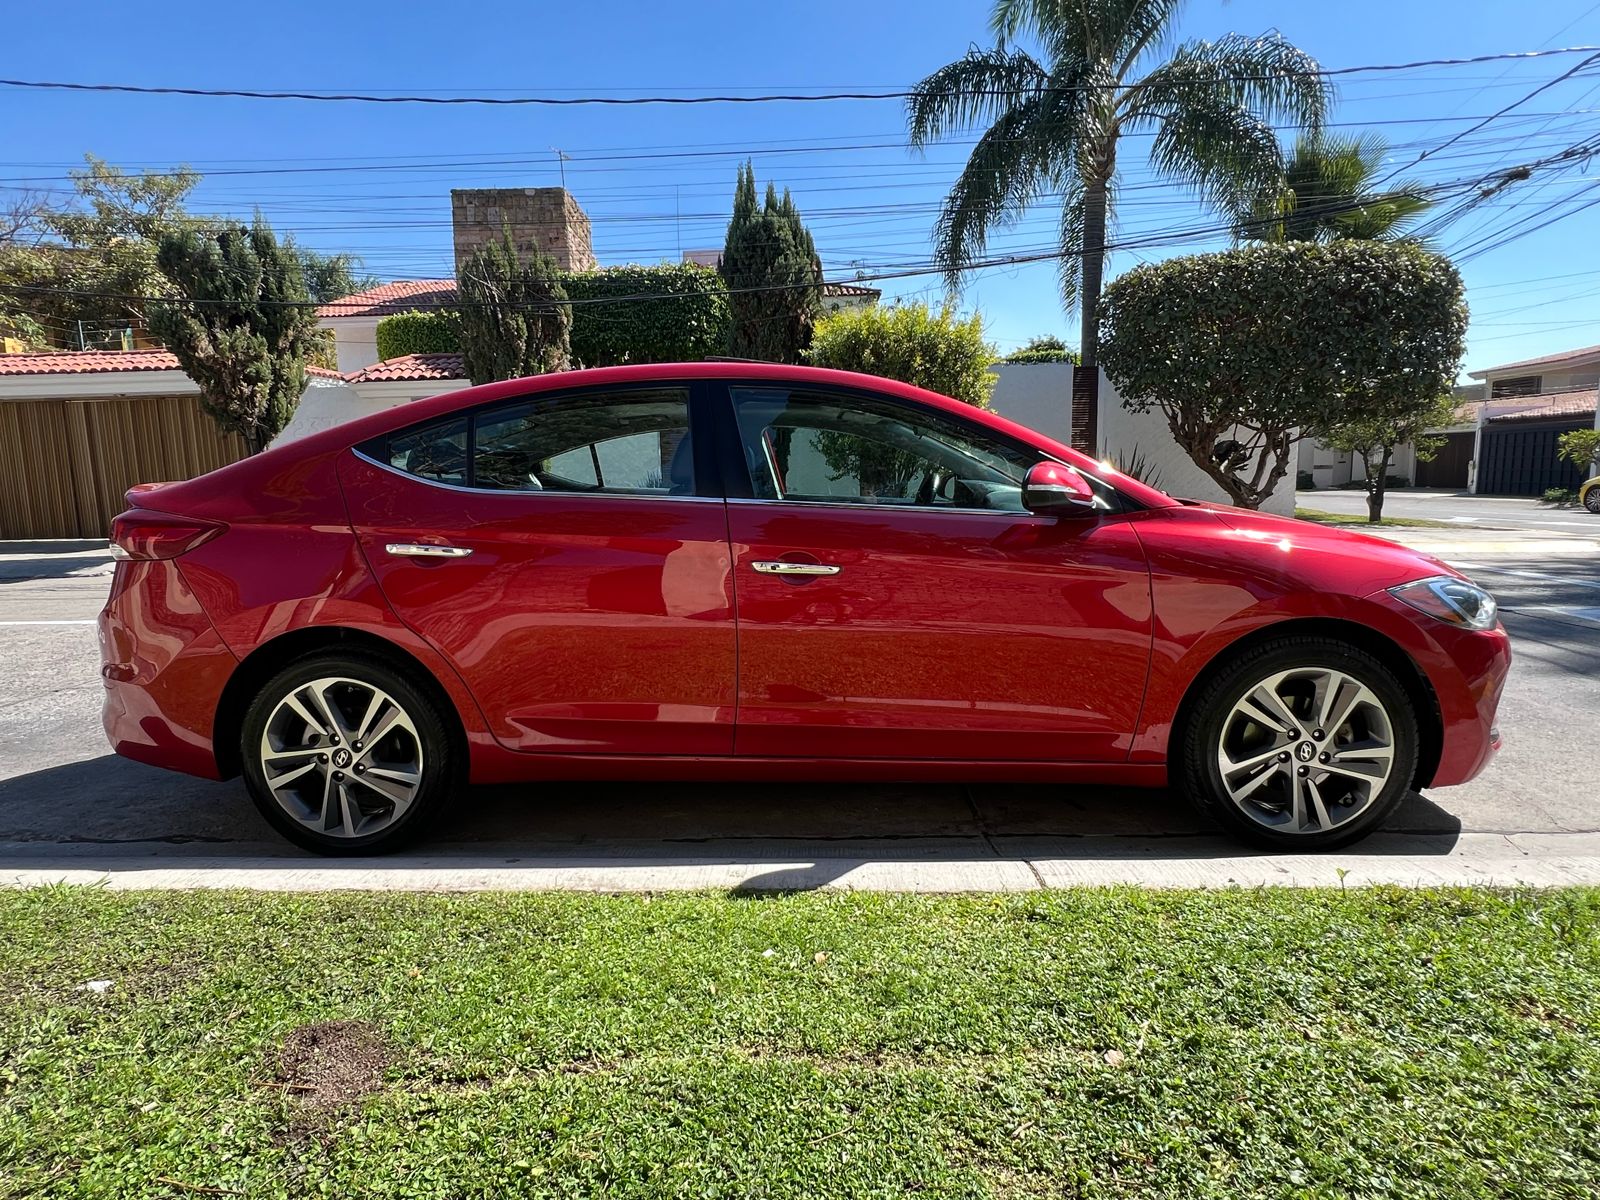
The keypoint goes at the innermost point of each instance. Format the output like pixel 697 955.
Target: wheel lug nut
pixel 1284 757
pixel 338 774
pixel 334 738
pixel 1303 771
pixel 355 745
pixel 1317 734
pixel 322 758
pixel 360 767
pixel 1325 757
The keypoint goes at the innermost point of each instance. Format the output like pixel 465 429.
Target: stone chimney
pixel 546 220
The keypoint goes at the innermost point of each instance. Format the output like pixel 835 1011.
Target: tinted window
pixel 836 449
pixel 633 443
pixel 437 452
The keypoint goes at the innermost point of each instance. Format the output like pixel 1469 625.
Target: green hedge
pixel 417 333
pixel 1046 349
pixel 683 316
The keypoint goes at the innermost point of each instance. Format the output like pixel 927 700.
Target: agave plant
pixel 1053 123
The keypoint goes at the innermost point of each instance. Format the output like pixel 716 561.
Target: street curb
pixel 1014 864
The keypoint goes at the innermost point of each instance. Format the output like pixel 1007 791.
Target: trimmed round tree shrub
pixel 913 343
pixel 417 333
pixel 1045 349
pixel 673 312
pixel 1247 351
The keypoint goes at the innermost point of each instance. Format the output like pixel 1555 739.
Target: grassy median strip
pixel 1082 1043
pixel 1355 520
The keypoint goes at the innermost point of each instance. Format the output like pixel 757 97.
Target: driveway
pixel 1459 508
pixel 70 810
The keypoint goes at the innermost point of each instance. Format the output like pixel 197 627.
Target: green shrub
pixel 417 333
pixel 1581 448
pixel 911 343
pixel 1559 495
pixel 673 312
pixel 1045 349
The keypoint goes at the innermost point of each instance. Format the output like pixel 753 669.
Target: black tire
pixel 438 761
pixel 1196 772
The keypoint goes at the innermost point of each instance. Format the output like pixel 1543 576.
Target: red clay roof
pixel 402 295
pixel 1549 360
pixel 82 362
pixel 105 362
pixel 1579 402
pixel 411 367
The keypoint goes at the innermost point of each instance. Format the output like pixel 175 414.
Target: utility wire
pixel 770 98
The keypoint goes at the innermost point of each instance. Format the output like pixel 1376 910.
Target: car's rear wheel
pixel 344 755
pixel 1591 499
pixel 1305 743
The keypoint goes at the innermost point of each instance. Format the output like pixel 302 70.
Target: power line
pixel 726 98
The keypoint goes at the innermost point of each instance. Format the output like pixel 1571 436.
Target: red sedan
pixel 731 571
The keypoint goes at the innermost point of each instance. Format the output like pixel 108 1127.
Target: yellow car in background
pixel 1589 495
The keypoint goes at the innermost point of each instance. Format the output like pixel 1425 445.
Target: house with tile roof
pixel 1525 407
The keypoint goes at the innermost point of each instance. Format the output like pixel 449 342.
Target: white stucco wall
pixel 1039 396
pixel 329 402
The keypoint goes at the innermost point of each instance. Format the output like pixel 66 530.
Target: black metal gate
pixel 1448 466
pixel 1518 458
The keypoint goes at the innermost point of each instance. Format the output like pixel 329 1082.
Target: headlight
pixel 1456 601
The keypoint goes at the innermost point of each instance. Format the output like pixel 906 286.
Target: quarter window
pixel 820 448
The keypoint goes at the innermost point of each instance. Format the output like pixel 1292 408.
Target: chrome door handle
pixel 795 568
pixel 422 550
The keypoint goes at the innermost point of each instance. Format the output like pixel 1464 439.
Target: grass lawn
pixel 1330 518
pixel 1081 1043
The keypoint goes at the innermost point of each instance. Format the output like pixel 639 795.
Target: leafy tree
pixel 1374 433
pixel 24 223
pixel 912 343
pixel 1581 448
pixel 1045 349
pixel 1328 192
pixel 1246 351
pixel 773 274
pixel 1053 127
pixel 240 323
pixel 514 318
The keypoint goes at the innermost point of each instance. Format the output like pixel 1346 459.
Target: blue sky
pixel 656 180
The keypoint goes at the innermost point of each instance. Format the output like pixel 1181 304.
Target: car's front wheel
pixel 1591 499
pixel 343 755
pixel 1304 743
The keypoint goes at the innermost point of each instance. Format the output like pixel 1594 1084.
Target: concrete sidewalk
pixel 992 864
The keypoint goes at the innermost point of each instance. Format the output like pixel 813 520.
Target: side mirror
pixel 1056 490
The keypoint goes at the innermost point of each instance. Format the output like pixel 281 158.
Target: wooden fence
pixel 65 464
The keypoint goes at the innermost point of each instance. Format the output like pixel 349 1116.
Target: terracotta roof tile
pixel 402 295
pixel 411 367
pixel 1578 402
pixel 81 362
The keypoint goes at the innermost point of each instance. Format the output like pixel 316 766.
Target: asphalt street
pixel 71 809
pixel 1458 508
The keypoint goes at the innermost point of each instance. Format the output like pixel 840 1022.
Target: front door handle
pixel 423 550
pixel 795 568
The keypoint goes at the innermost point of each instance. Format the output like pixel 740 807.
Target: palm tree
pixel 1328 192
pixel 1053 127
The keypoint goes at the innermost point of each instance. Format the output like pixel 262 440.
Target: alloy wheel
pixel 1305 751
pixel 342 757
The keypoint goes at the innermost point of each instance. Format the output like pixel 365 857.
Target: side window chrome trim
pixel 848 506
pixel 527 495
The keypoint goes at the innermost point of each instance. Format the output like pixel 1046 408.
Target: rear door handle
pixel 422 550
pixel 795 568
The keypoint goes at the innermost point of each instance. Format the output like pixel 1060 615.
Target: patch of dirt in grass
pixel 332 1064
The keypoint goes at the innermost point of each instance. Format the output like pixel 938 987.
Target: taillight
pixel 143 534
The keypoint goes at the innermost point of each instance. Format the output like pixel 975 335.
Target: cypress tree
pixel 773 274
pixel 514 318
pixel 241 325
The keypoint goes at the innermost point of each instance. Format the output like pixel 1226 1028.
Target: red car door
pixel 896 601
pixel 557 551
